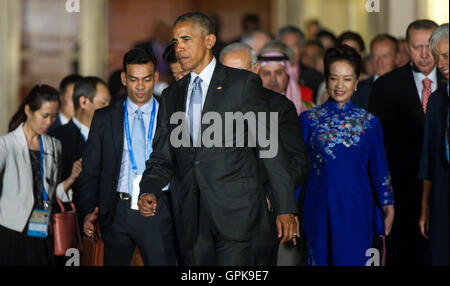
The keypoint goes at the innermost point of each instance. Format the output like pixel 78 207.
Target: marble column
pixel 10 22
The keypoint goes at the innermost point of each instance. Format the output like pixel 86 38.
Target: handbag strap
pixel 61 206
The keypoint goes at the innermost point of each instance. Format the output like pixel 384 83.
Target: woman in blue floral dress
pixel 349 173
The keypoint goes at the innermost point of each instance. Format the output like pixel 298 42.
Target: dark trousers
pixel 18 249
pixel 212 249
pixel 405 245
pixel 154 236
pixel 292 255
pixel 265 256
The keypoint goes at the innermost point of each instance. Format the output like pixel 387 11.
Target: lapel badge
pixel 219 88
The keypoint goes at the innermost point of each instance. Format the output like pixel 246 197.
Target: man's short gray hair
pixel 439 34
pixel 294 30
pixel 247 38
pixel 278 46
pixel 239 47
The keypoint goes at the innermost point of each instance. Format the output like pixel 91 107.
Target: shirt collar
pixel 206 74
pixel 83 128
pixel 63 119
pixel 132 107
pixel 418 76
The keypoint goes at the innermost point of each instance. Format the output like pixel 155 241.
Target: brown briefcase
pixel 93 248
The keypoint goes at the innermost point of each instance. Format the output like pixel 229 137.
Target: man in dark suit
pixel 113 161
pixel 66 110
pixel 383 52
pixel 156 45
pixel 90 93
pixel 308 76
pixel 399 100
pixel 222 205
pixel 241 56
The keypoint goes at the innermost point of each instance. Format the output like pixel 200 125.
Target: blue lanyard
pixel 42 169
pixel 149 135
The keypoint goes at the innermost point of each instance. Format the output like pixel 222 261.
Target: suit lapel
pixel 182 90
pixel 215 93
pixel 215 89
pixel 443 105
pixel 181 98
pixel 412 90
pixel 117 113
pixel 441 81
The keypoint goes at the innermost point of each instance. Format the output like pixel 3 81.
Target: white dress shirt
pixel 63 119
pixel 206 75
pixel 418 77
pixel 83 128
pixel 125 165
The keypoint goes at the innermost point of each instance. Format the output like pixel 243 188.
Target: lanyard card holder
pixel 38 225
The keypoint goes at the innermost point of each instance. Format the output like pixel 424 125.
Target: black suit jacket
pixel 311 78
pixel 395 101
pixel 72 143
pixel 55 125
pixel 102 159
pixel 362 94
pixel 290 135
pixel 227 178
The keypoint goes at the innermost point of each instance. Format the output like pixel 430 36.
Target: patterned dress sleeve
pixel 378 167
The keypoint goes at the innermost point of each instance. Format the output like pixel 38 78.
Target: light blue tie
pixel 138 145
pixel 195 109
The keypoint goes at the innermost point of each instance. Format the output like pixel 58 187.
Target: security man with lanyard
pixel 119 143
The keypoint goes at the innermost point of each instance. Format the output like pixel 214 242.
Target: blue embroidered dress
pixel 349 170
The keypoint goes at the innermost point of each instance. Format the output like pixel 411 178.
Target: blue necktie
pixel 195 108
pixel 138 145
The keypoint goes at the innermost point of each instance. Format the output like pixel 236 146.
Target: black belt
pixel 124 196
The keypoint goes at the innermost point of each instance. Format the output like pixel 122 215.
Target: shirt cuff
pixel 64 196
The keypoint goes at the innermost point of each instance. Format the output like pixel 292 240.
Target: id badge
pixel 136 189
pixel 38 225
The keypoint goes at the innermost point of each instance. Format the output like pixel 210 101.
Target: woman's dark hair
pixel 38 95
pixel 169 55
pixel 342 53
pixel 349 35
pixel 326 33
